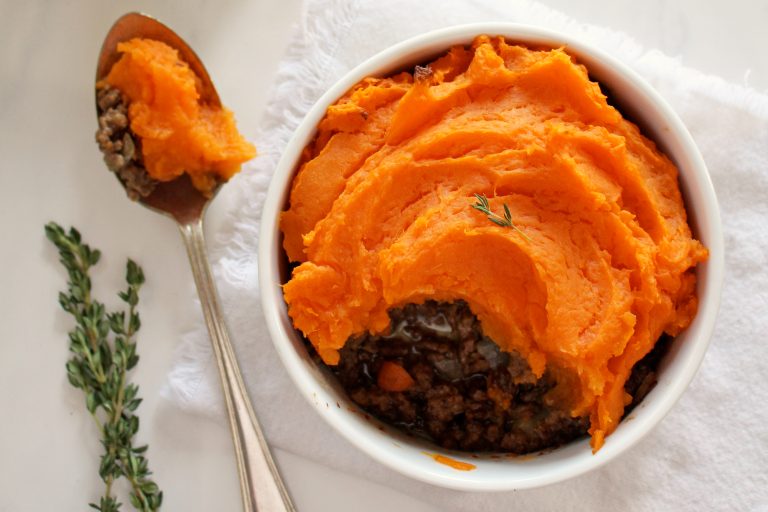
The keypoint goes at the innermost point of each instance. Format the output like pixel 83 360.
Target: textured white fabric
pixel 710 453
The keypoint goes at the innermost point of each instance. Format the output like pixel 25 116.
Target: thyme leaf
pixel 484 206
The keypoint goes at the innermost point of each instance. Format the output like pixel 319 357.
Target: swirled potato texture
pixel 381 215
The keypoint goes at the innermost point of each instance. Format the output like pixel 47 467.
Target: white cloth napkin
pixel 710 453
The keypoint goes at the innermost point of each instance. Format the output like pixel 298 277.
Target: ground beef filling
pixel 466 393
pixel 121 149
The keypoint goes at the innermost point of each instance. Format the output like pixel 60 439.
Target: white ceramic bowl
pixel 637 100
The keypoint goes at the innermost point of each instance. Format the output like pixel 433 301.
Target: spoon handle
pixel 260 483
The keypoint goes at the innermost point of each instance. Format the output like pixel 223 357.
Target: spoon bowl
pixel 134 25
pixel 177 198
pixel 260 482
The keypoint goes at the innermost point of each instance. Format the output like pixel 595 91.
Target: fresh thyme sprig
pixel 103 350
pixel 505 222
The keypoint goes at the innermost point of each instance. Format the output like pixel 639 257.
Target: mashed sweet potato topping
pixel 380 215
pixel 178 132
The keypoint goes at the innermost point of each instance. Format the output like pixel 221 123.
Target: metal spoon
pixel 260 483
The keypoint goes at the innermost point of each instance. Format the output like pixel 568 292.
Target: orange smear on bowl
pixel 455 464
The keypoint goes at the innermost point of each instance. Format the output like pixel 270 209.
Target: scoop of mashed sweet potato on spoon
pixel 178 133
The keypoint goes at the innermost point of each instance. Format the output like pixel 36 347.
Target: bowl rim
pixel 695 173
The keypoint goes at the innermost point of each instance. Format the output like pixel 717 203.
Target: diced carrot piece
pixel 393 377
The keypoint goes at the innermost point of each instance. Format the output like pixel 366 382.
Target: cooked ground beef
pixel 122 151
pixel 467 394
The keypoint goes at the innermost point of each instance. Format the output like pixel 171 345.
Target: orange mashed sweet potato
pixel 380 215
pixel 178 132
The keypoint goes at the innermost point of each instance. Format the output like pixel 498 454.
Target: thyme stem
pixel 103 348
pixel 484 206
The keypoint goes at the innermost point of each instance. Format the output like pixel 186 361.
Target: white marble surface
pixel 49 457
